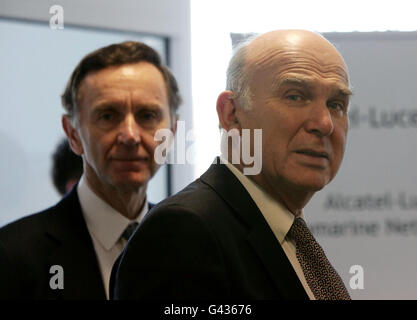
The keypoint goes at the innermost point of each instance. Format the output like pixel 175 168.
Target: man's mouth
pixel 314 153
pixel 130 159
pixel 130 164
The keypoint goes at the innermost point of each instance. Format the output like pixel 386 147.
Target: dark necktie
pixel 321 277
pixel 129 230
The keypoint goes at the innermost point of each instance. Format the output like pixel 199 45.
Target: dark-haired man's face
pixel 120 109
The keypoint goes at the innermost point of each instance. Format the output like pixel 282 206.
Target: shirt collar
pixel 104 222
pixel 278 217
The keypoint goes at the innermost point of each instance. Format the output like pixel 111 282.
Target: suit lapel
pixel 276 262
pixel 260 236
pixel 72 248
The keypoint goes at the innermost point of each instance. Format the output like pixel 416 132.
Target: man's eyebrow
pixel 151 106
pixel 107 104
pixel 288 81
pixel 345 91
pixel 120 104
pixel 306 83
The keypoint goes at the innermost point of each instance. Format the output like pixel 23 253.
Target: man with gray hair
pixel 235 235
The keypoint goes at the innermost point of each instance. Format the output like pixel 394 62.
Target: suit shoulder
pixel 183 213
pixel 27 227
pixel 197 211
pixel 36 223
pixel 196 198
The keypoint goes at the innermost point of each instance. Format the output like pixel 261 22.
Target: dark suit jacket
pixel 209 241
pixel 56 236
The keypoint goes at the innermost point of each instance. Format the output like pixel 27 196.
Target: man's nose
pixel 320 120
pixel 129 131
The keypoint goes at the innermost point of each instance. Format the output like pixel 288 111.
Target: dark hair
pixel 116 55
pixel 66 166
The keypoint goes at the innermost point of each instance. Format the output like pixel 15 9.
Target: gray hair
pixel 237 77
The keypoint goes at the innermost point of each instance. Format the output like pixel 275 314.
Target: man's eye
pixel 107 116
pixel 294 97
pixel 148 115
pixel 339 106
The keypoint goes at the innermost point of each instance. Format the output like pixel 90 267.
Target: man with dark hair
pixel 116 99
pixel 67 168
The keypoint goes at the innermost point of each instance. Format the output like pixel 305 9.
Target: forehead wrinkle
pixel 287 58
pixel 105 99
pixel 265 57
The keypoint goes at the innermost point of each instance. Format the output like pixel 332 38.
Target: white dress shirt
pixel 279 219
pixel 105 225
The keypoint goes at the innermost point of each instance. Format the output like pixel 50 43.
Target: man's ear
pixel 226 111
pixel 72 135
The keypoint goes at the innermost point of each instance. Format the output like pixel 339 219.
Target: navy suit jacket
pixel 55 236
pixel 209 241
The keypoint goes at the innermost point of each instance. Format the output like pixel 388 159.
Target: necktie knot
pixel 300 233
pixel 129 230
